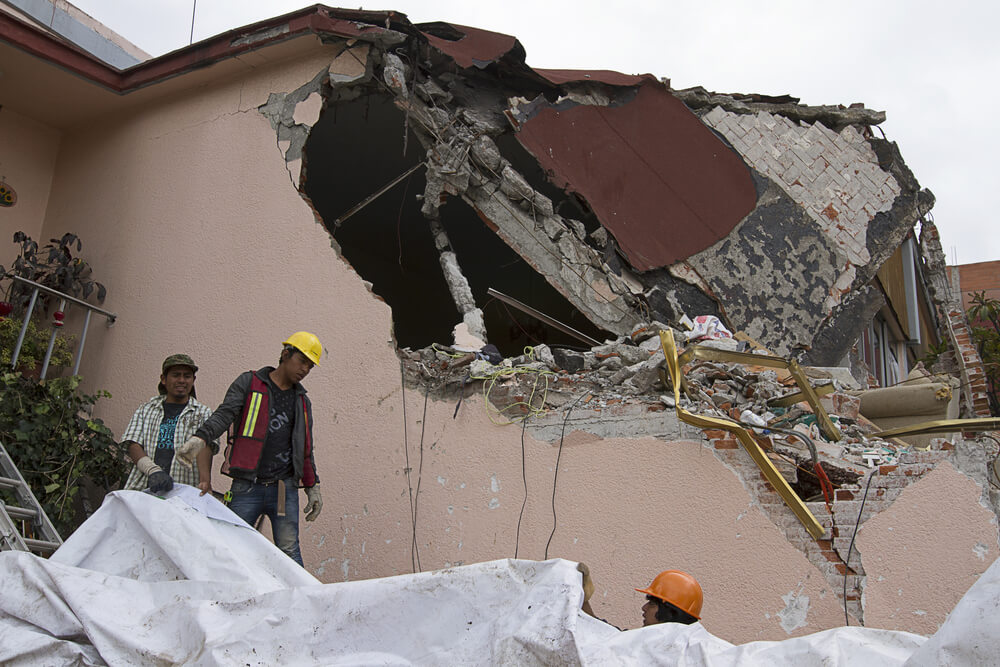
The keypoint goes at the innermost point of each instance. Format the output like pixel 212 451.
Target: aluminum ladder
pixel 23 524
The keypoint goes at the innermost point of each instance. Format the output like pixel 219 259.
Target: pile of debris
pixel 632 368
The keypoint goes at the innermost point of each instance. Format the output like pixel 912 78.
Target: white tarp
pixel 150 581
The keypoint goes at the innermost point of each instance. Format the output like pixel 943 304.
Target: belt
pixel 281 493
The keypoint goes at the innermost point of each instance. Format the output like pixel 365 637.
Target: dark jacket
pixel 231 409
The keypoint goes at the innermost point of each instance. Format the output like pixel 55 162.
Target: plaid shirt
pixel 144 429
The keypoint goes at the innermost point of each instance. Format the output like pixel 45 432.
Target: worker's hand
pixel 159 481
pixel 187 452
pixel 206 487
pixel 315 503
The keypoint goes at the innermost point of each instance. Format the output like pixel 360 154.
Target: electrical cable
pixel 490 379
pixel 555 477
pixel 524 479
pixel 847 560
pixel 406 450
pixel 415 548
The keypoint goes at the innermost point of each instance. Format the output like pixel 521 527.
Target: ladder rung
pixel 21 513
pixel 41 545
pixel 8 483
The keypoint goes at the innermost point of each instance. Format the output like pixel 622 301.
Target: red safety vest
pixel 247 435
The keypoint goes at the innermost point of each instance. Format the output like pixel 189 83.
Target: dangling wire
pixel 406 450
pixel 555 477
pixel 847 560
pixel 415 548
pixel 524 478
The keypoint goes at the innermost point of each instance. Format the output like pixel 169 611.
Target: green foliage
pixel 36 342
pixel 984 316
pixel 54 266
pixel 45 428
pixel 934 353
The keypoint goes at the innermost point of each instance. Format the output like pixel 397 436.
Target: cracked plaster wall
pixel 627 506
pixel 924 551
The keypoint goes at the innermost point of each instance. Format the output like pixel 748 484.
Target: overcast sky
pixel 931 66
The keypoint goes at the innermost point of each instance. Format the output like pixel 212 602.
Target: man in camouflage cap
pixel 164 421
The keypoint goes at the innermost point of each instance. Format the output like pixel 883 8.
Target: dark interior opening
pixel 489 262
pixel 355 149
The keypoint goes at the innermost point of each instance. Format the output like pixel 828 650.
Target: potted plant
pixel 55 266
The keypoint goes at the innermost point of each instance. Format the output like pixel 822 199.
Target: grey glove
pixel 315 503
pixel 160 482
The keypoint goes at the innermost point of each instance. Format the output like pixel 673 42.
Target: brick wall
pixel 975 401
pixel 830 553
pixel 978 277
pixel 834 176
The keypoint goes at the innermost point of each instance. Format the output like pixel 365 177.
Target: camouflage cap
pixel 179 360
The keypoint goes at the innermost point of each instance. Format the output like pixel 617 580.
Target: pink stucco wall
pixel 26 164
pixel 925 551
pixel 189 217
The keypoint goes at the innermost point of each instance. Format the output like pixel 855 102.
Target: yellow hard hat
pixel 679 589
pixel 306 343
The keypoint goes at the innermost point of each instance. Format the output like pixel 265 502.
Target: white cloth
pixel 188 589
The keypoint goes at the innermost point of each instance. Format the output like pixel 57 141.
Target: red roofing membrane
pixel 610 77
pixel 656 177
pixel 476 48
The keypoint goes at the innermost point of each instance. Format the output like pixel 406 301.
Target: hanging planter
pixel 8 197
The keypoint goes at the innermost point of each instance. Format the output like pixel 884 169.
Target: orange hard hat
pixel 679 589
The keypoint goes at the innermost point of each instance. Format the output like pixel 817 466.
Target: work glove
pixel 187 452
pixel 160 482
pixel 315 503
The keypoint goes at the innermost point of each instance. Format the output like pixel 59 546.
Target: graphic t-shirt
pixel 165 441
pixel 276 459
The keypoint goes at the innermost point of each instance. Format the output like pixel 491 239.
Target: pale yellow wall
pixel 189 217
pixel 28 152
pixel 925 551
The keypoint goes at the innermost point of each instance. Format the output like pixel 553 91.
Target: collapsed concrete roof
pixel 633 201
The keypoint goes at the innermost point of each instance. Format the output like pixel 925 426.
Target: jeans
pixel 251 500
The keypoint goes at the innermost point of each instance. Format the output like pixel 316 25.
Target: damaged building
pixel 416 193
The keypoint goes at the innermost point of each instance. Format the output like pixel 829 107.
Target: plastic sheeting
pixel 151 581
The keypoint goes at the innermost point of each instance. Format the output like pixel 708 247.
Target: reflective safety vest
pixel 247 436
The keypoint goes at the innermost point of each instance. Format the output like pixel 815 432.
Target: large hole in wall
pixel 354 150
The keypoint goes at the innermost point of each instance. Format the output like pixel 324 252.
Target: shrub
pixel 45 428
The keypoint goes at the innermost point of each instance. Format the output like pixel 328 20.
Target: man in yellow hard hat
pixel 673 597
pixel 270 450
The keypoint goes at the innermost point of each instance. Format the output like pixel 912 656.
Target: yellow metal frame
pixel 942 426
pixel 826 425
pixel 779 483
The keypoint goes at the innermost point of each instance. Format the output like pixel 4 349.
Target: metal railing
pixel 57 322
